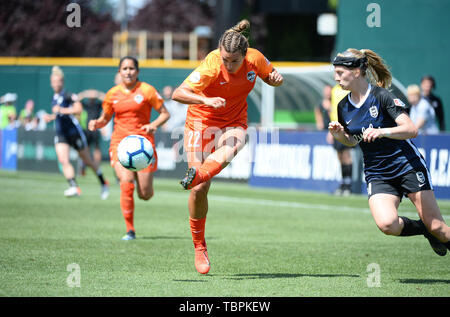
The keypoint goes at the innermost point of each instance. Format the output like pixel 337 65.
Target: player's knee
pixel 146 195
pixel 200 191
pixel 436 227
pixel 64 161
pixel 389 227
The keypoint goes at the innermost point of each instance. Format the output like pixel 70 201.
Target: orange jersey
pixel 211 79
pixel 132 110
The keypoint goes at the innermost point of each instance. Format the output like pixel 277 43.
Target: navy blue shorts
pixel 410 182
pixel 77 140
pixel 92 138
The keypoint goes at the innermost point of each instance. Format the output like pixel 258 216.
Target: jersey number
pixel 194 138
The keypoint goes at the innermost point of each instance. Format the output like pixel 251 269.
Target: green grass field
pixel 261 243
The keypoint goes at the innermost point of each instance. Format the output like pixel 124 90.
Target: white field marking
pixel 290 204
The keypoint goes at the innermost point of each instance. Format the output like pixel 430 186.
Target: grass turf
pixel 261 242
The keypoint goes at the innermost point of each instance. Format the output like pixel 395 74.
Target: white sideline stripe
pixel 291 204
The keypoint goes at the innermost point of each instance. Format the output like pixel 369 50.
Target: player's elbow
pixel 165 117
pixel 177 95
pixel 414 131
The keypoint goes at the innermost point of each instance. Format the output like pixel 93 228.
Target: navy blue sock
pixel 72 182
pixel 412 227
pixel 447 244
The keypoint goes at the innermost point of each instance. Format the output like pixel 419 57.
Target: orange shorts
pixel 198 144
pixel 205 141
pixel 153 167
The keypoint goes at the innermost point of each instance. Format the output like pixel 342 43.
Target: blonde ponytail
pixel 377 69
pixel 57 71
pixel 374 67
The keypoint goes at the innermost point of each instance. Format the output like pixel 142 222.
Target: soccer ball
pixel 135 152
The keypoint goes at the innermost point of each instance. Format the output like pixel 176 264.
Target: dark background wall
pixel 413 38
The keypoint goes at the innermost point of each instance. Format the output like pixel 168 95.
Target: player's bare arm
pixel 76 109
pixel 274 79
pixel 91 93
pixel 99 123
pixel 186 95
pixel 151 127
pixel 338 132
pixel 49 117
pixel 405 129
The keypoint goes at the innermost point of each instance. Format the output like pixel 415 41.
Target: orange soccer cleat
pixel 202 264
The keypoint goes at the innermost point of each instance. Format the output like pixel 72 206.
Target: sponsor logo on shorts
pixel 420 178
pixel 79 143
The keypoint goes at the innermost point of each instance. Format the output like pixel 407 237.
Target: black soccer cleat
pixel 438 247
pixel 189 178
pixel 131 235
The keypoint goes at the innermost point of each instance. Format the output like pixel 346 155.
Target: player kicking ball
pixel 216 121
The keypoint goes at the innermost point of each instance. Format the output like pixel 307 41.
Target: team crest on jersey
pixel 420 177
pixel 373 111
pixel 251 75
pixel 399 103
pixel 138 98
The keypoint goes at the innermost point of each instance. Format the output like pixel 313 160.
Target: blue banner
pixel 8 153
pixel 305 161
pixel 300 160
pixel 435 149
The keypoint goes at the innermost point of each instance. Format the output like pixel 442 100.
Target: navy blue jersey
pixel 384 158
pixel 93 107
pixel 65 124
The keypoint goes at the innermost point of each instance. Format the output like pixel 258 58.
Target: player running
pixel 65 108
pixel 132 102
pixel 376 120
pixel 216 121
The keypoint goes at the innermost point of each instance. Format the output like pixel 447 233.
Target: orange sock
pixel 127 204
pixel 208 170
pixel 198 232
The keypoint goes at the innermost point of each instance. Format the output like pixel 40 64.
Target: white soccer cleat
pixel 72 192
pixel 105 192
